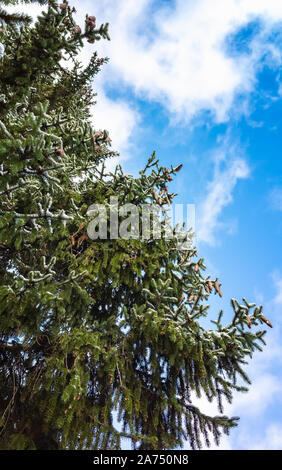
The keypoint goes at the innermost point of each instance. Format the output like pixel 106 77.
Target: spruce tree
pixel 99 339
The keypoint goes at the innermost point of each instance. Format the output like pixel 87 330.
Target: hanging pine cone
pixel 178 168
pixel 217 288
pixel 181 298
pixel 266 321
pixel 155 195
pixel 207 289
pixel 210 285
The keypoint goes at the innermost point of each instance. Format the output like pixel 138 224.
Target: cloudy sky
pixel 199 82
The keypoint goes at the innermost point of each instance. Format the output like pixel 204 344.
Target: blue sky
pixel 200 82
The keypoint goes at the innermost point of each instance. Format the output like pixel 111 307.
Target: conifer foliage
pixel 99 339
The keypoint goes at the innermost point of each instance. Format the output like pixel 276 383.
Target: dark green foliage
pixel 89 327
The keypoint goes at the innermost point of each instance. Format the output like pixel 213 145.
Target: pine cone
pixel 178 168
pixel 155 195
pixel 210 285
pixel 217 288
pixel 181 298
pixel 266 321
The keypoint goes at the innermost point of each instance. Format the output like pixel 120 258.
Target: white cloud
pixel 265 389
pixel 271 440
pixel 275 198
pixel 32 10
pixel 175 55
pixel 277 279
pixel 118 118
pixel 219 195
